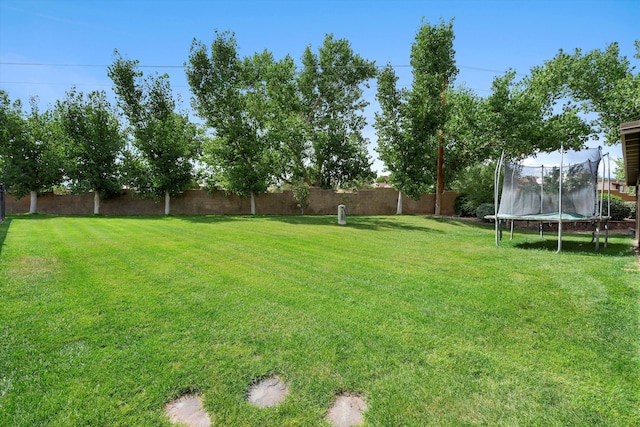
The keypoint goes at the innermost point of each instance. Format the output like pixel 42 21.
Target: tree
pixel 599 81
pixel 407 158
pixel 93 144
pixel 522 118
pixel 230 95
pixel 31 157
pixel 165 142
pixel 620 173
pixel 475 186
pixel 434 69
pixel 330 85
pixel 427 135
pixel 272 123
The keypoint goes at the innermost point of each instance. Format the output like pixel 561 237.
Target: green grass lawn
pixel 104 320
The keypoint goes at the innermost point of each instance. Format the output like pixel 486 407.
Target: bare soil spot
pixel 188 411
pixel 347 411
pixel 268 392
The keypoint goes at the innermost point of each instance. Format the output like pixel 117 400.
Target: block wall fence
pixel 381 201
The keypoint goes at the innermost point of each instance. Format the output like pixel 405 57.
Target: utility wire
pixel 42 64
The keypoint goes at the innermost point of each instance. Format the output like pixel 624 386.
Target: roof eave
pixel 630 137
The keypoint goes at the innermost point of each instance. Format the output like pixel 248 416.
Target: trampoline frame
pixel 556 217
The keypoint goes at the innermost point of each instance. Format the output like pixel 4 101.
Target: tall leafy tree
pixel 29 146
pixel 94 144
pixel 434 70
pixel 229 94
pixel 331 87
pixel 407 158
pixel 427 134
pixel 165 142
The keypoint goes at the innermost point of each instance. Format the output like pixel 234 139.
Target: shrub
pixel 620 210
pixel 484 210
pixel 475 183
pixel 462 206
pixel 632 206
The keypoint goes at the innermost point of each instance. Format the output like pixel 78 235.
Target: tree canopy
pixel 32 160
pixel 93 143
pixel 165 143
pixel 274 122
pixel 229 94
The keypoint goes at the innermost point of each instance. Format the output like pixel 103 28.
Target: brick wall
pixel 382 201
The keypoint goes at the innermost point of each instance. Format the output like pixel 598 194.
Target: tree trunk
pixel 33 207
pixel 439 178
pixel 96 203
pixel 253 204
pixel 167 202
pixel 399 208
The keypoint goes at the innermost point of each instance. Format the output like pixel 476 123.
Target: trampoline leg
pixel 511 236
pixel 559 236
pixel 597 236
pixel 606 233
pixel 541 231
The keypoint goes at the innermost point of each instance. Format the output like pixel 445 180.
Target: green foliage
pixel 331 88
pixel 598 81
pixel 485 209
pixel 460 207
pixel 229 94
pixel 273 123
pixel 632 209
pixel 30 149
pixel 410 162
pixel 165 142
pixel 619 209
pixel 93 143
pixel 301 193
pixel 413 125
pixel 476 184
pixel 520 118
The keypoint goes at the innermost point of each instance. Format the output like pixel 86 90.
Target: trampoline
pixel 556 194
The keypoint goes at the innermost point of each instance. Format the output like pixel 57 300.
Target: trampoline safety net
pixel 529 190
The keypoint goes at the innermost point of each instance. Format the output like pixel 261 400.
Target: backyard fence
pixel 381 201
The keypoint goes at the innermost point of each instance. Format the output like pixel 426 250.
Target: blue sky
pixel 491 36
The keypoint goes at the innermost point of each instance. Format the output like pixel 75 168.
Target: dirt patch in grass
pixel 267 392
pixel 34 265
pixel 347 410
pixel 188 411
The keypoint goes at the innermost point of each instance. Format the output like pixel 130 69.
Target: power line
pixel 43 64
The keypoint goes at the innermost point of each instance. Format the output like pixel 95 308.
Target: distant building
pixel 618 188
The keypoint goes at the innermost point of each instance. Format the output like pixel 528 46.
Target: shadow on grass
pixel 462 222
pixel 584 247
pixel 4 230
pixel 357 222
